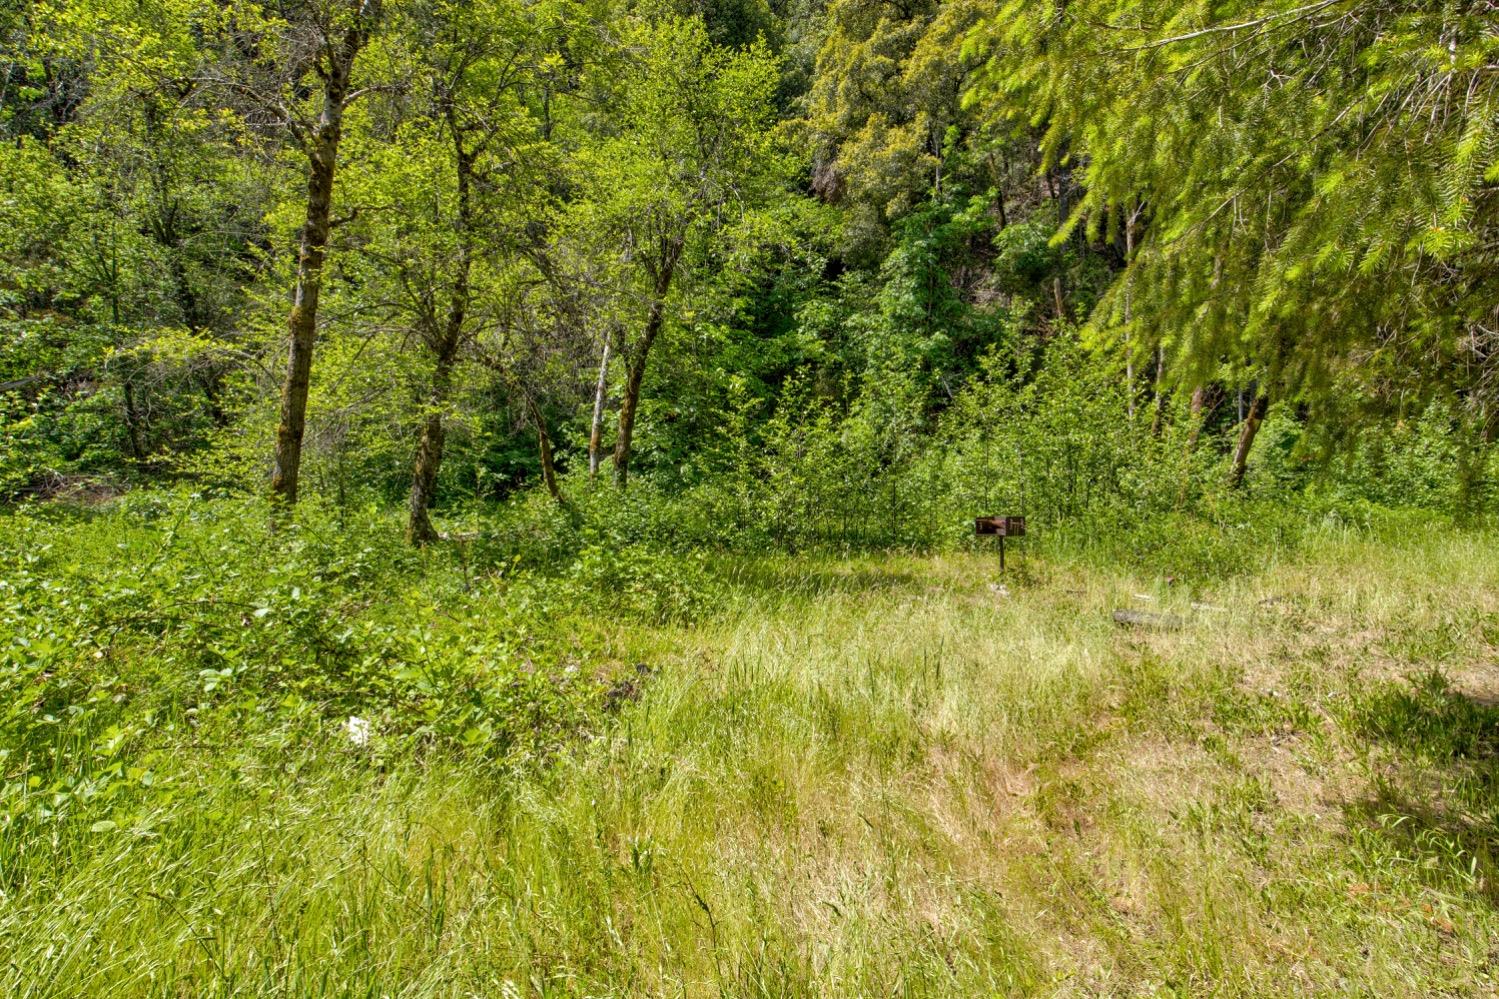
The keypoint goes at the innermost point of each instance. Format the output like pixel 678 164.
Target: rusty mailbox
pixel 1001 528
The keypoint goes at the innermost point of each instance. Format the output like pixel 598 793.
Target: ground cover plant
pixel 489 496
pixel 821 775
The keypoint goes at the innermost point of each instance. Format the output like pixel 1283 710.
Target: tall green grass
pixel 877 775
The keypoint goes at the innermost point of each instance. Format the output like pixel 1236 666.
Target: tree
pixel 1319 185
pixel 456 184
pixel 321 39
pixel 687 172
pixel 140 262
pixel 885 111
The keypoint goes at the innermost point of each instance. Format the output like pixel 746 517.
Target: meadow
pixel 737 775
pixel 488 496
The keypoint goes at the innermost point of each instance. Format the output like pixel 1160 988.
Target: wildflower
pixel 359 730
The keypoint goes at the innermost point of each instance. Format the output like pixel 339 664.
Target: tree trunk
pixel 428 460
pixel 548 467
pixel 132 425
pixel 322 156
pixel 1195 408
pixel 636 370
pixel 211 383
pixel 544 451
pixel 1129 346
pixel 1247 431
pixel 445 342
pixel 1472 449
pixel 631 400
pixel 1158 418
pixel 596 432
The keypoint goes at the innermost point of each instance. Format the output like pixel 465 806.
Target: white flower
pixel 359 730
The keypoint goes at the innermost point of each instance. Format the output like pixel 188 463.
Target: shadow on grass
pixel 1448 846
pixel 1436 800
pixel 60 512
pixel 810 578
pixel 1426 717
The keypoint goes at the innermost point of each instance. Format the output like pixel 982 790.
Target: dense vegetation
pixel 487 494
pixel 742 243
pixel 315 762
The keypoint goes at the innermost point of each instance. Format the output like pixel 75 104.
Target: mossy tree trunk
pixel 321 148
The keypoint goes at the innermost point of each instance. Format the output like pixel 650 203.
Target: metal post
pixel 1001 554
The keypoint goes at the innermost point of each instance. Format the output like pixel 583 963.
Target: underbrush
pixel 652 553
pixel 579 752
pixel 132 624
pixel 165 619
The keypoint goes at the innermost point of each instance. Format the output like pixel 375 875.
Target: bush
pixel 164 613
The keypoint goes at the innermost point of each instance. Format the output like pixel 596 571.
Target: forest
pixel 493 495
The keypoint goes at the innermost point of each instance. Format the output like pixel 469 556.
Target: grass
pixel 872 776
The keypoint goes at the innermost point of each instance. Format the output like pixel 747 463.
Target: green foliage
pixel 1313 203
pixel 986 177
pixel 169 615
pixel 884 111
pixel 765 722
pixel 1026 258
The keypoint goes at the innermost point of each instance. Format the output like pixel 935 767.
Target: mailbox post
pixel 1000 527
